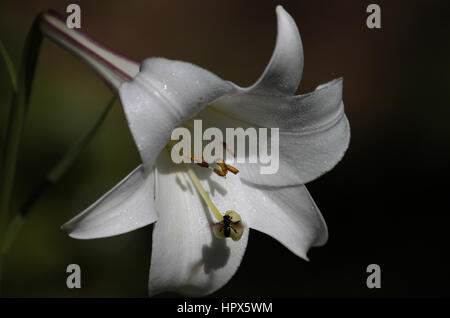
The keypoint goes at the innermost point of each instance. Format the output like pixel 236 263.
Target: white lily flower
pixel 183 200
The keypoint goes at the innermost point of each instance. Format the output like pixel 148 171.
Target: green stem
pixel 70 157
pixel 16 121
pixel 9 66
pixel 1 271
pixel 11 233
pixel 52 177
pixel 14 132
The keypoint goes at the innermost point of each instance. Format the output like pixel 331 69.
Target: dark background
pixel 385 203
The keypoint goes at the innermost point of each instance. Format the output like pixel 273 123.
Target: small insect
pixel 230 226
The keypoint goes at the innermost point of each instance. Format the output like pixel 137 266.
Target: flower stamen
pixel 220 173
pixel 232 169
pixel 228 225
pixel 203 193
pixel 224 167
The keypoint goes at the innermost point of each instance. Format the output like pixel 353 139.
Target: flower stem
pixel 9 159
pixel 112 67
pixel 52 177
pixel 9 66
pixel 18 110
pixel 16 121
pixel 1 271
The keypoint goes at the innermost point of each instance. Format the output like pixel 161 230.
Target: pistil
pixel 228 225
pixel 203 193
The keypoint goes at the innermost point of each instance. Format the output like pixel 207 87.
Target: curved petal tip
pixel 284 71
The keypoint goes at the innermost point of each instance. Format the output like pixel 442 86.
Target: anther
pixel 231 169
pixel 220 173
pixel 223 166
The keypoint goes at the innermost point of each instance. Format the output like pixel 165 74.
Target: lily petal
pixel 112 67
pixel 186 256
pixel 126 207
pixel 284 71
pixel 313 131
pixel 288 214
pixel 162 97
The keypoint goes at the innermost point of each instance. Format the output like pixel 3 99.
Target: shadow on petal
pixel 215 255
pixel 206 174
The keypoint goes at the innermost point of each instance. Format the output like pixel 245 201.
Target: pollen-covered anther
pixel 220 172
pixel 231 169
pixel 230 226
pixel 203 164
pixel 223 166
pixel 226 167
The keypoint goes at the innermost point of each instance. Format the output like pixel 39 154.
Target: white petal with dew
pixel 162 97
pixel 313 130
pixel 287 214
pixel 186 256
pixel 126 207
pixel 284 71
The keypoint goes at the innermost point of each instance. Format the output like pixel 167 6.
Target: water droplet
pixel 165 86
